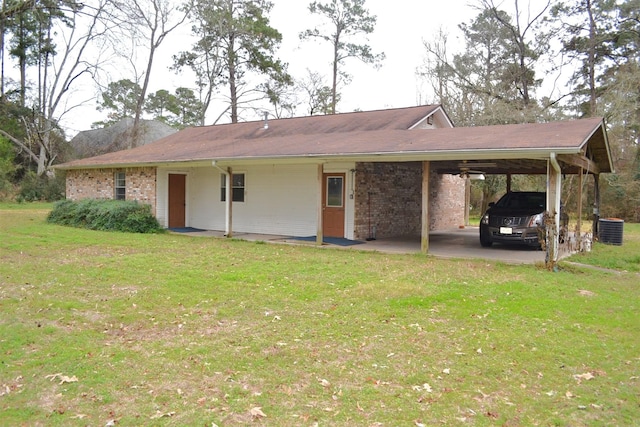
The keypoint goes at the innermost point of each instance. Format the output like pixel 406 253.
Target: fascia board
pixel 542 153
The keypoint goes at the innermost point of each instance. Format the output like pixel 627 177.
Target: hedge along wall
pixel 389 198
pixel 100 184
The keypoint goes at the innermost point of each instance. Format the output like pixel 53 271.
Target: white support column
pixel 554 190
pixel 228 197
pixel 579 224
pixel 467 199
pixel 424 238
pixel 319 232
pixel 228 227
pixel 596 207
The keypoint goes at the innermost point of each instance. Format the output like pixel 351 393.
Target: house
pixel 117 136
pixel 393 172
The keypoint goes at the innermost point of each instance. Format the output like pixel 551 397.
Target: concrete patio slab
pixel 456 243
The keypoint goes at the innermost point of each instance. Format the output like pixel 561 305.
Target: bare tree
pixel 205 59
pixel 318 95
pixel 151 21
pixel 520 31
pixel 59 72
pixel 493 79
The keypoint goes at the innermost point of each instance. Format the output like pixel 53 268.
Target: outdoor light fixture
pixel 479 176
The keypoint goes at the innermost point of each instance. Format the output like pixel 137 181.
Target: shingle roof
pixel 360 136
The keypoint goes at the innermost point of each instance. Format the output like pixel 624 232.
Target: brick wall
pixel 100 184
pixel 446 201
pixel 388 200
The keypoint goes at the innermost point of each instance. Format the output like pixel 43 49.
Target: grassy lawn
pixel 174 330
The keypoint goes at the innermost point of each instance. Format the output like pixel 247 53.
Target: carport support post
pixel 319 236
pixel 579 223
pixel 424 238
pixel 228 194
pixel 467 199
pixel 554 182
pixel 596 206
pixel 228 226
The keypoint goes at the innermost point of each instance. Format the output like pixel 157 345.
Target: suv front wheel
pixel 485 241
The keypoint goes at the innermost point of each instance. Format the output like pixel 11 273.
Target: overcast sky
pixel 402 25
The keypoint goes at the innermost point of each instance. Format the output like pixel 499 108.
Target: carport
pixel 578 147
pixel 552 149
pixel 292 160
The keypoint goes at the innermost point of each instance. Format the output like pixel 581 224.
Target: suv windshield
pixel 522 201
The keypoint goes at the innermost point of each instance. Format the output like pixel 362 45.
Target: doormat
pixel 185 230
pixel 339 241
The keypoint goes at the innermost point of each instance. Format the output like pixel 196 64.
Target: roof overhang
pixel 581 145
pixel 449 157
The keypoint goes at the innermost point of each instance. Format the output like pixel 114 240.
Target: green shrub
pixel 34 188
pixel 7 167
pixel 105 215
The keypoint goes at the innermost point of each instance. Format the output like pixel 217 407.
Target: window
pixel 120 186
pixel 237 189
pixel 335 187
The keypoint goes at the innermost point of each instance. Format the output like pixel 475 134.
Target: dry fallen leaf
pixel 256 412
pixel 424 387
pixel 324 383
pixel 586 376
pixel 162 415
pixel 63 378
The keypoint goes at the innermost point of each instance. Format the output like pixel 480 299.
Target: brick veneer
pixel 99 184
pixel 388 200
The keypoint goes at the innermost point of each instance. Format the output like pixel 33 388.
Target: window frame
pixel 120 185
pixel 237 191
pixel 329 198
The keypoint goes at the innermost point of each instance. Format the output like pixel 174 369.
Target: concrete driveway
pixel 465 243
pixel 456 243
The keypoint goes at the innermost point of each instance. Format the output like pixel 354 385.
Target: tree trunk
pixel 592 61
pixel 42 160
pixel 334 86
pixel 233 90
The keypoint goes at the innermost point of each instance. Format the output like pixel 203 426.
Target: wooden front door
pixel 333 204
pixel 177 200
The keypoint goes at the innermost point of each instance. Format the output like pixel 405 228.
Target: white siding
pixel 279 199
pixel 162 187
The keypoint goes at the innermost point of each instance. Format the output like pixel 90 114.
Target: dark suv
pixel 517 218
